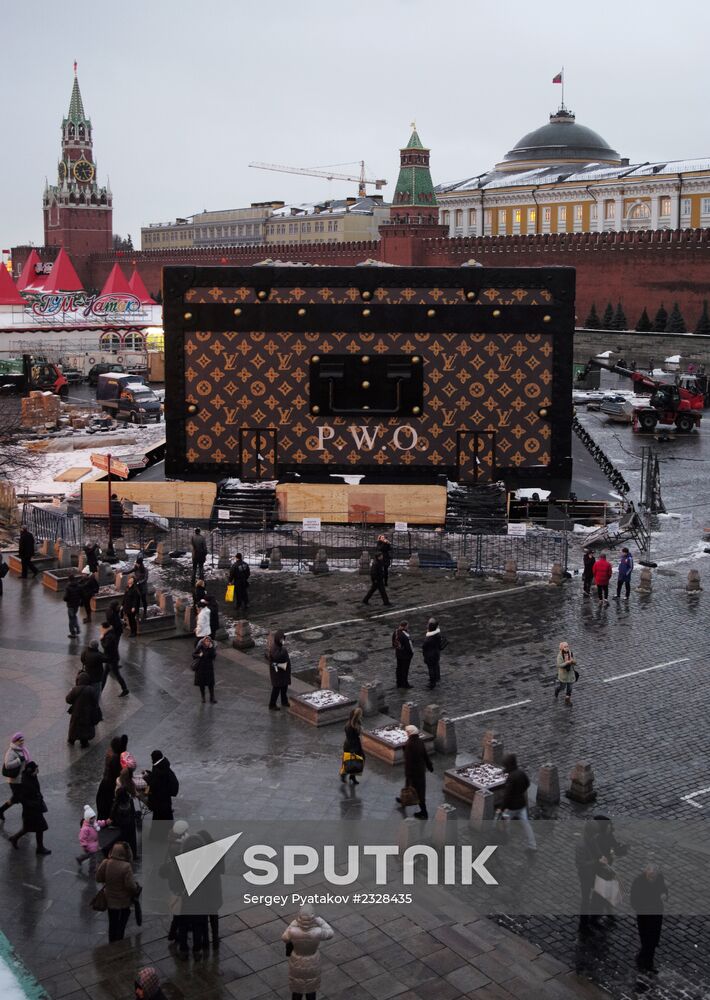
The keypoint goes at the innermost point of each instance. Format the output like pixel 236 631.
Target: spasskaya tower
pixel 78 214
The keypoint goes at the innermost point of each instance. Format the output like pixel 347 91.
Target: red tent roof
pixel 116 283
pixel 9 296
pixel 63 277
pixel 28 276
pixel 137 286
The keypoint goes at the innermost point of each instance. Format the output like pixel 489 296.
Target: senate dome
pixel 561 142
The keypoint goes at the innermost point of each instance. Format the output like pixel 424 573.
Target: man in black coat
pixel 385 547
pixel 92 662
pixel 26 549
pixel 198 544
pixel 89 588
pixel 163 786
pixel 116 516
pixel 239 575
pixel 647 892
pixel 588 571
pixel 416 765
pixel 514 800
pixel 109 644
pixel 403 651
pixel 92 552
pixel 377 575
pixel 72 599
pixel 131 604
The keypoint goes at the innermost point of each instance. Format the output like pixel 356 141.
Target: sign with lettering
pixel 517 530
pixel 118 307
pixel 141 509
pixel 401 526
pixel 222 514
pixel 311 524
pixel 119 469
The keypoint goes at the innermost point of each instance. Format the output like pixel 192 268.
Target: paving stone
pixel 249 988
pixel 384 986
pixel 467 979
pixel 264 957
pixel 422 944
pixel 444 961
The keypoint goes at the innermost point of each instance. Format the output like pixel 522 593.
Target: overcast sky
pixel 183 94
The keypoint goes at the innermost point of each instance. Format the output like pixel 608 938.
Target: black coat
pixel 113 618
pixel 109 644
pixel 432 647
pixel 84 712
pixel 123 817
pixel 214 615
pixel 72 595
pixel 163 786
pixel 280 678
pixel 107 787
pixel 352 742
pixel 33 807
pixel 515 790
pixel 131 600
pixel 198 544
pixel 89 588
pixel 589 560
pixel 402 643
pixel 239 575
pixel 92 556
pixel 377 571
pixel 92 661
pixel 140 575
pixel 26 548
pixel 199 594
pixel 416 762
pixel 386 549
pixel 203 665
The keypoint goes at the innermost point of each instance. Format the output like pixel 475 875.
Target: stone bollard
pixel 119 548
pixel 329 679
pixel 224 562
pixel 693 582
pixel 368 700
pixel 243 638
pixel 493 753
pixel 430 718
pixel 120 579
pixel 488 736
pixel 161 555
pixel 548 785
pixel 645 580
pixel 581 787
pixel 381 697
pixel 56 547
pixel 322 665
pixel 165 602
pixel 107 574
pixel 444 831
pixel 180 605
pixel 320 563
pixel 363 564
pixel 556 575
pixel 46 548
pixel 510 571
pixel 482 808
pixel 445 739
pixel 413 564
pixel 409 834
pixel 275 558
pixel 463 567
pixel 64 557
pixel 190 618
pixel 410 715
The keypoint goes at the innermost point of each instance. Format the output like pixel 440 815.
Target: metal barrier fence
pixel 343 544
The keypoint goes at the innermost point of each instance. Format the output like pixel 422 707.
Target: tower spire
pixel 414 195
pixel 76 115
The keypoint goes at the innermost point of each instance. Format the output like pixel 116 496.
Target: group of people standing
pixel 433 644
pixel 599 571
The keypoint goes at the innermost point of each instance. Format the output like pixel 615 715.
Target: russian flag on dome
pixel 558 78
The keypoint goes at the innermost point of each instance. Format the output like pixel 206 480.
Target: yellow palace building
pixel 564 178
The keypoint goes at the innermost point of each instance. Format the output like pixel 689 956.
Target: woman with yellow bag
pixel 353 760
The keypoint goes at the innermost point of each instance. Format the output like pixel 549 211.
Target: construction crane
pixel 361 181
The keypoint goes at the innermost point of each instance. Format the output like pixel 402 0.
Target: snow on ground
pixel 15 982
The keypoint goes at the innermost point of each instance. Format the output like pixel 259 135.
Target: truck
pixel 127 397
pixel 669 404
pixel 31 373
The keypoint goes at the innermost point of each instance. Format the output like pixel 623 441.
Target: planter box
pixel 321 708
pixel 40 563
pixel 387 743
pixel 102 601
pixel 463 782
pixel 156 623
pixel 56 579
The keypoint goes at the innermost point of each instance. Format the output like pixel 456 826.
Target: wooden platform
pixel 341 503
pixel 188 500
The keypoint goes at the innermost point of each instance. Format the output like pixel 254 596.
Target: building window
pixel 593 212
pixel 318 227
pixel 133 341
pixel 459 218
pixel 472 217
pixel 292 227
pixel 705 206
pixel 306 227
pixel 684 206
pixel 547 215
pixel 517 216
pixel 110 342
pixel 562 213
pixel 532 216
pixel 502 222
pixel 640 211
pixel 488 219
pixel 445 218
pixel 335 227
pixel 609 210
pixel 577 213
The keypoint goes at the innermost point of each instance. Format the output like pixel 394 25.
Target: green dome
pixel 561 141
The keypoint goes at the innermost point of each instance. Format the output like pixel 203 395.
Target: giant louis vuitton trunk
pixel 400 374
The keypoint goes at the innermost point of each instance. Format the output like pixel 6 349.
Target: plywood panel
pixel 71 475
pixel 340 504
pixel 191 500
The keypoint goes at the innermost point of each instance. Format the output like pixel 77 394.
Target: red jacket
pixel 602 570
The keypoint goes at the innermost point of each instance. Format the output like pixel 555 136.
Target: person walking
pixel 566 674
pixel 92 663
pixel 353 759
pixel 72 599
pixel 588 571
pixel 89 837
pixel 113 618
pixel 163 786
pixel 303 937
pixel 647 894
pixel 514 799
pixel 279 669
pixel 385 547
pixel 84 710
pixel 416 765
pixel 33 809
pixel 92 553
pixel 377 576
pixel 403 651
pixel 13 765
pixel 123 818
pixel 25 550
pixel 112 769
pixel 587 857
pixel 131 604
pixel 203 665
pixel 623 574
pixel 239 576
pixel 147 985
pixel 4 570
pixel 213 890
pixel 120 888
pixel 89 588
pixel 140 575
pixel 198 544
pixel 109 644
pixel 432 646
pixel 602 571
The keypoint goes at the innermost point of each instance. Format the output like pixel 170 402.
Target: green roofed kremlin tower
pixel 78 214
pixel 414 199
